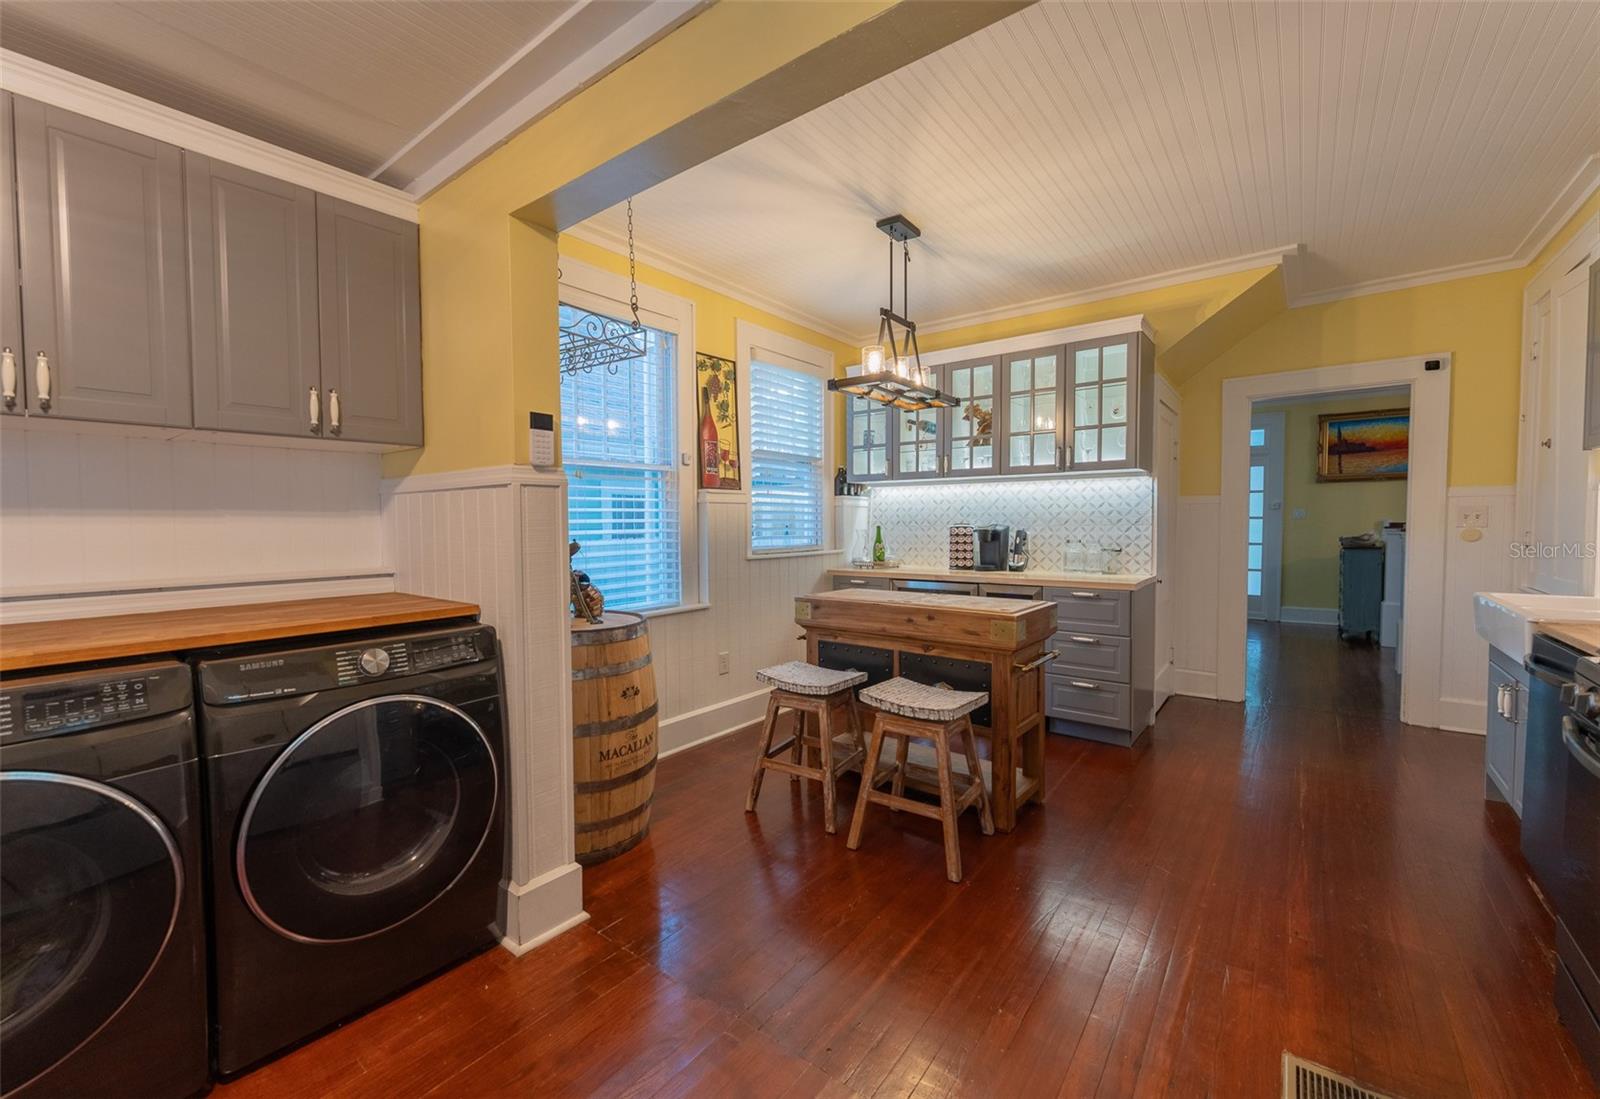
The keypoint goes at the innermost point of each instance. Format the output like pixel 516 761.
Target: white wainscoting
pixel 1194 556
pixel 750 617
pixel 498 538
pixel 1469 567
pixel 95 522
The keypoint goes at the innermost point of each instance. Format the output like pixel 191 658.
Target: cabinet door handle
pixel 41 380
pixel 334 424
pixel 8 377
pixel 314 405
pixel 1500 700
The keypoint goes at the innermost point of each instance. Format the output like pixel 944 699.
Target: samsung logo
pixel 258 665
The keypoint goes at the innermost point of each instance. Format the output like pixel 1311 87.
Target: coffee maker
pixel 1019 551
pixel 991 549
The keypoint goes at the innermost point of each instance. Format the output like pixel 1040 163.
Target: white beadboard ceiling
pixel 1078 146
pixel 403 91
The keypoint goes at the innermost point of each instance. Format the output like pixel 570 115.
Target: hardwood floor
pixel 1301 872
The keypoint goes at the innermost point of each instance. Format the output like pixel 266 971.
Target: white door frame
pixel 1164 479
pixel 1275 423
pixel 1426 507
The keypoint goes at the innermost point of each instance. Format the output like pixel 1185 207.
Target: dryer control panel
pixel 361 660
pixel 73 701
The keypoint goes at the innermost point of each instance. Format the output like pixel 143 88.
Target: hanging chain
pixel 633 278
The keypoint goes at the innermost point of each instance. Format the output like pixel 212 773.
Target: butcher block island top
pixel 83 640
pixel 966 621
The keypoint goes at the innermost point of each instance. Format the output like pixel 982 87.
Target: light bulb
pixel 872 359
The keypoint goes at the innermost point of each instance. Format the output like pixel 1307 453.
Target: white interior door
pixel 1166 474
pixel 1264 538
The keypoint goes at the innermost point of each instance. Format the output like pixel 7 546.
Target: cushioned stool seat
pixel 812 693
pixel 918 700
pixel 801 678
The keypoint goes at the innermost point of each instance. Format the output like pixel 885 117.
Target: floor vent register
pixel 1305 1080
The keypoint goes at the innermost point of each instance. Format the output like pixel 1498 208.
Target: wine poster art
pixel 718 431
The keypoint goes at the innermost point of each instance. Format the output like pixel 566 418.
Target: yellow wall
pixel 1311 545
pixel 1477 320
pixel 489 280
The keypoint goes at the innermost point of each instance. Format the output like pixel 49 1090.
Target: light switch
pixel 1472 516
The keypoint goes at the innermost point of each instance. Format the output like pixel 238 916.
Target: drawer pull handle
pixel 1083 640
pixel 1083 685
pixel 1085 595
pixel 1037 662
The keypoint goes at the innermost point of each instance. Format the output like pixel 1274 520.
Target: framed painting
pixel 718 433
pixel 1364 446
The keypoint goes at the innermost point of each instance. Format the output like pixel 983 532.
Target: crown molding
pixel 24 76
pixel 618 245
pixel 1561 210
pixel 1270 257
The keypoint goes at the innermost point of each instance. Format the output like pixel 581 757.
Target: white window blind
pixel 786 471
pixel 617 446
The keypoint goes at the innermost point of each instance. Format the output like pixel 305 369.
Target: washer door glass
pixel 366 819
pixel 90 883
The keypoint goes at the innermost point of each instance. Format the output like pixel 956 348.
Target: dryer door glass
pixel 366 819
pixel 89 894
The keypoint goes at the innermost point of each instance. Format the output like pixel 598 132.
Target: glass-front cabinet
pixel 1088 405
pixel 970 426
pixel 867 431
pixel 1032 429
pixel 918 449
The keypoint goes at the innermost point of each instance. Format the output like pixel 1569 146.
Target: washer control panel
pixel 74 701
pixel 369 660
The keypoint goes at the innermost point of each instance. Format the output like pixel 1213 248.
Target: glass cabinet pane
pixel 1088 365
pixel 1031 409
pixel 868 439
pixel 1101 411
pixel 970 425
pixel 918 441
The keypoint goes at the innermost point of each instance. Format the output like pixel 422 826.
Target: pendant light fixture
pixel 891 368
pixel 593 339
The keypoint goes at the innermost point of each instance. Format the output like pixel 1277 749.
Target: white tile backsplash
pixel 1096 511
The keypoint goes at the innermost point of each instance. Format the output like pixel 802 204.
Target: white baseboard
pixel 1310 616
pixel 1464 715
pixel 1196 684
pixel 696 727
pixel 539 910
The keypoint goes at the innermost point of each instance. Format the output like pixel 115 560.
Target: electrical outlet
pixel 722 664
pixel 1472 517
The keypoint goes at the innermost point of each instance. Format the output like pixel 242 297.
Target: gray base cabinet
pixel 1506 732
pixel 1101 686
pixel 104 292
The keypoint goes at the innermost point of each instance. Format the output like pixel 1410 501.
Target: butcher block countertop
pixel 973 621
pixel 1583 636
pixel 1095 581
pixel 82 640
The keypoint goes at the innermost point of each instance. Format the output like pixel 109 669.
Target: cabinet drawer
pixel 1088 700
pixel 845 583
pixel 1092 656
pixel 1085 610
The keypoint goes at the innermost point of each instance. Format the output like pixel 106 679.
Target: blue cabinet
pixel 1360 590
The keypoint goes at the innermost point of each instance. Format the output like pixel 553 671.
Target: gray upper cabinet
pixel 371 334
pixel 1110 403
pixel 253 313
pixel 867 425
pixel 14 400
pixel 104 292
pixel 969 441
pixel 1031 412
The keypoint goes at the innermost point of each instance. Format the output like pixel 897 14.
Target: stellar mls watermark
pixel 1551 551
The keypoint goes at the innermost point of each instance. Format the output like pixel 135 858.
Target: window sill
pixel 780 554
pixel 682 608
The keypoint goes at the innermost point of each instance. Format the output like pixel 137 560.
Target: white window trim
pixel 590 287
pixel 792 354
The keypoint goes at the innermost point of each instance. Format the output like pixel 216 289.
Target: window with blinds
pixel 786 470
pixel 617 445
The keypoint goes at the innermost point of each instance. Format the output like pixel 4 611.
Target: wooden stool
pixel 907 711
pixel 810 690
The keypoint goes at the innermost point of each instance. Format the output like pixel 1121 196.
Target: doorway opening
pixel 1325 535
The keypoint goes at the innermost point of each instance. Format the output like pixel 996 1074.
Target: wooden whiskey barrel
pixel 614 734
